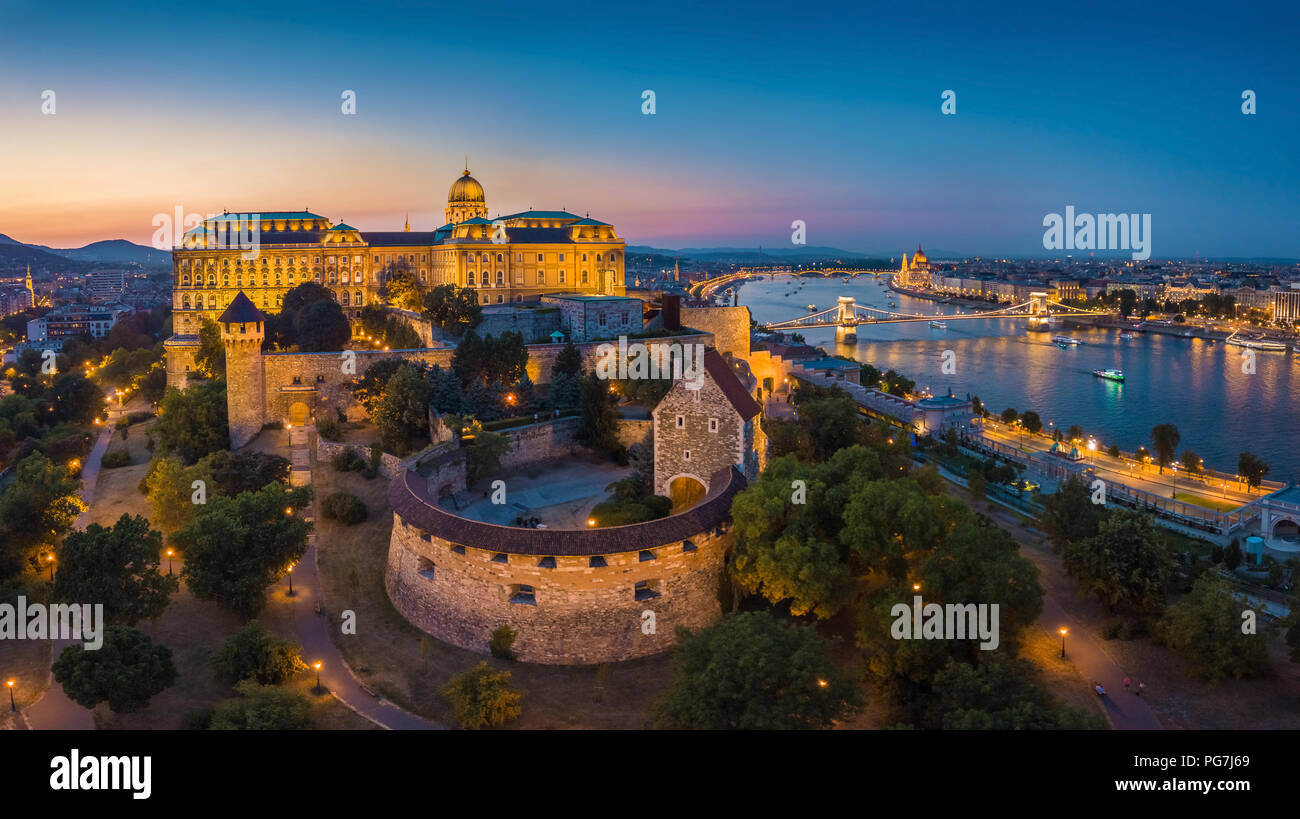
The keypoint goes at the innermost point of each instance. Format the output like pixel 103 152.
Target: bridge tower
pixel 1038 311
pixel 846 321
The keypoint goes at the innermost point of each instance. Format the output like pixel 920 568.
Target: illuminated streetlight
pixel 49 558
pixel 916 587
pixel 317 666
pixel 290 573
pixel 591 521
pixel 12 706
pixel 1063 631
pixel 169 562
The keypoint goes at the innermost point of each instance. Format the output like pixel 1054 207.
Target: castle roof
pixel 408 496
pixel 732 387
pixel 241 311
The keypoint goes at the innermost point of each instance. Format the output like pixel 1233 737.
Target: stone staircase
pixel 300 456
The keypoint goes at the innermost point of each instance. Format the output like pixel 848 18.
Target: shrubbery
pixel 346 509
pixel 347 461
pixel 116 458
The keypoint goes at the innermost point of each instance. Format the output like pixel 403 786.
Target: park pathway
pixel 1124 710
pixel 54 711
pixel 311 625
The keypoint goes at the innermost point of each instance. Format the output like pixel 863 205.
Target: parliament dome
pixel 465 189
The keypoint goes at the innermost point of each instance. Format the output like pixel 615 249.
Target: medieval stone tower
pixel 243 327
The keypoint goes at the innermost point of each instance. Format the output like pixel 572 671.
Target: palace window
pixel 356 297
pixel 602 320
pixel 500 258
pixel 500 557
pixel 500 277
pixel 645 555
pixel 713 425
pixel 597 562
pixel 623 317
pixel 469 277
pixel 376 260
pixel 212 280
pixel 346 300
pixel 561 277
pixel 644 590
pixel 185 302
pixel 212 302
pixel 333 278
pixel 501 299
pixel 584 257
pixel 681 422
pixel 688 546
pixel 584 277
pixel 540 258
pixel 264 278
pixel 185 280
pixel 597 258
pixel 547 562
pixel 426 568
pixel 523 593
pixel 359 278
pixel 458 549
pixel 561 257
pixel 686 456
pixel 541 277
pixel 343 278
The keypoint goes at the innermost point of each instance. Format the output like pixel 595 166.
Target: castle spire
pixel 407 229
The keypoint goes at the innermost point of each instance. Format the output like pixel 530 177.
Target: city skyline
pixel 823 117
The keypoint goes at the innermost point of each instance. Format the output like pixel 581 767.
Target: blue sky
pixel 765 114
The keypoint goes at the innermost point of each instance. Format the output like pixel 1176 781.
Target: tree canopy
pixel 117 566
pixel 193 423
pixel 126 671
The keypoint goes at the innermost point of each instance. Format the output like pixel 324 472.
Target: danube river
pixel 1196 385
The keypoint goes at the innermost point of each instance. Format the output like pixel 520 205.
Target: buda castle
pixel 512 258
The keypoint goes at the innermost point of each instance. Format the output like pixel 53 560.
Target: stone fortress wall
pixel 572 597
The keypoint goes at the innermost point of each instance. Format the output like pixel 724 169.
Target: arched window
pixel 360 277
pixel 584 277
pixel 356 297
pixel 541 277
pixel 500 258
pixel 185 280
pixel 212 301
pixel 500 278
pixel 185 301
pixel 597 258
pixel 501 299
pixel 212 280
pixel 225 280
pixel 345 300
pixel 469 277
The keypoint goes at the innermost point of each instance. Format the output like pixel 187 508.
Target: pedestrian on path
pixel 1127 683
pixel 1141 687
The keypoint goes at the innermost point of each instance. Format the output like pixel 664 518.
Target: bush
pixel 253 653
pixel 138 416
pixel 197 720
pixel 273 425
pixel 328 428
pixel 483 697
pixel 501 642
pixel 346 509
pixel 347 461
pixel 115 459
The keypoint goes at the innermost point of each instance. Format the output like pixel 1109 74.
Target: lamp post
pixel 1064 631
pixel 12 706
pixel 290 573
pixel 317 666
pixel 169 562
pixel 49 558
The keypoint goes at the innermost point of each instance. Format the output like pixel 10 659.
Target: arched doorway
pixel 298 413
pixel 1286 530
pixel 685 491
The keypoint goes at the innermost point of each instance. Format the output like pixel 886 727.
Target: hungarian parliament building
pixel 513 258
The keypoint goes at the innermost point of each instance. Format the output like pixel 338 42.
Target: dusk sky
pixel 764 115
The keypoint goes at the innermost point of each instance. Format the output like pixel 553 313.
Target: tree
pixel 402 414
pixel 193 423
pixel 127 670
pixel 236 547
pixel 1252 469
pixel 1113 451
pixel 252 653
pixel 74 399
pixel 599 428
pixel 1164 437
pixel 444 390
pixel 37 508
pixel 999 695
pixel 887 522
pixel 1069 515
pixel 483 697
pixel 1123 564
pixel 1074 433
pixel 262 708
pixel 565 391
pixel 1191 462
pixel 568 361
pixel 1233 556
pixel 454 309
pixel 369 389
pixel 283 328
pixel 211 357
pixel 1009 415
pixel 116 566
pixel 244 471
pixel 401 288
pixel 1205 629
pixel 832 421
pixel 469 360
pixel 1031 422
pixel 321 327
pixel 170 487
pixel 507 358
pixel 754 672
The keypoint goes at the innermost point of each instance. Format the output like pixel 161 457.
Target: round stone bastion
pixel 573 597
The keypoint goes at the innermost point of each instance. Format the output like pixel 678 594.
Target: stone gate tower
pixel 243 327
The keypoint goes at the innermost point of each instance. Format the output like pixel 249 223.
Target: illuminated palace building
pixel 512 258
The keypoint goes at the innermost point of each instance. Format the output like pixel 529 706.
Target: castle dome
pixel 465 189
pixel 919 258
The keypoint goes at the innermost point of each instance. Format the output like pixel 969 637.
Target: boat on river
pixel 1109 374
pixel 1071 340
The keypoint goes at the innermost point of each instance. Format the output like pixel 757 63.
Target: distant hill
pixel 753 255
pixel 80 259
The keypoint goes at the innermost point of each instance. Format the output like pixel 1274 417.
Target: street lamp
pixel 49 558
pixel 290 580
pixel 169 562
pixel 12 706
pixel 1063 631
pixel 317 666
